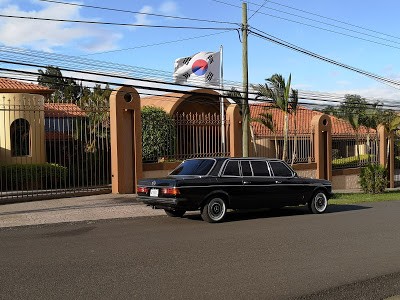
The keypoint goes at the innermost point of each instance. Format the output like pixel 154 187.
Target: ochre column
pixel 391 160
pixel 235 130
pixel 126 140
pixel 382 134
pixel 322 129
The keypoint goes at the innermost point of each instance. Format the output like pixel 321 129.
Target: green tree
pixel 65 89
pixel 283 97
pixel 266 119
pixel 237 97
pixel 95 103
pixel 158 133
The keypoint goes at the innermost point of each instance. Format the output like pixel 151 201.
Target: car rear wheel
pixel 214 210
pixel 318 203
pixel 174 213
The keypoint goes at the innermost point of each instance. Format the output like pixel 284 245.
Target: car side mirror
pixel 295 174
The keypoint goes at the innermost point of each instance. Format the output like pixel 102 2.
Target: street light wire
pixel 115 24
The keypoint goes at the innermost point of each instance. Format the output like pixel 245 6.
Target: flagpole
pixel 221 99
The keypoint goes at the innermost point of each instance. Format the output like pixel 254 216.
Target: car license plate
pixel 154 193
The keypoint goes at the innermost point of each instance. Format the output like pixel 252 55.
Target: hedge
pixel 32 176
pixel 351 161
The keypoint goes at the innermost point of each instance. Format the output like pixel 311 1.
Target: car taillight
pixel 171 191
pixel 142 189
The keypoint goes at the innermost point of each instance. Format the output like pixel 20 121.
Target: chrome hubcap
pixel 320 202
pixel 216 209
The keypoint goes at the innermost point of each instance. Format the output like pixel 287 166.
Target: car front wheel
pixel 214 210
pixel 174 213
pixel 318 203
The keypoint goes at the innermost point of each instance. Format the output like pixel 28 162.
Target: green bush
pixel 32 176
pixel 158 134
pixel 373 179
pixel 351 161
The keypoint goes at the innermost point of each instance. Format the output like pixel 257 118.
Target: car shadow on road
pixel 238 215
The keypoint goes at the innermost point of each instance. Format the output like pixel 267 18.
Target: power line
pixel 329 24
pixel 335 20
pixel 114 24
pixel 258 9
pixel 316 100
pixel 155 44
pixel 138 12
pixel 266 36
pixel 79 63
pixel 325 29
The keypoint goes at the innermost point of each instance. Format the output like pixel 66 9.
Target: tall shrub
pixel 158 134
pixel 373 179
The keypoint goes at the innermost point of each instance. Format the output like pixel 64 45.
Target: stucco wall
pixel 306 170
pixel 346 179
pixel 31 108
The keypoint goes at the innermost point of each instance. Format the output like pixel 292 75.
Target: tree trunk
pixel 285 136
pixel 253 139
pixel 295 141
pixel 276 147
pixel 358 149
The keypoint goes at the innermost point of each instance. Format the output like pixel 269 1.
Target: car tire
pixel 175 213
pixel 214 210
pixel 318 203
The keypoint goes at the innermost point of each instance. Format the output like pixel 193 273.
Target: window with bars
pixel 20 138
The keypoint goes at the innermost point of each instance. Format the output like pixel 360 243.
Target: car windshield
pixel 194 167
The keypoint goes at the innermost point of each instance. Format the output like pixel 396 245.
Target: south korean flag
pixel 201 69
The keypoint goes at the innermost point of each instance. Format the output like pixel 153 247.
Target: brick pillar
pixel 235 130
pixel 126 140
pixel 322 129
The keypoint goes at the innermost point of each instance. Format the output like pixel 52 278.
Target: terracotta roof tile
pixel 303 118
pixel 56 136
pixel 14 86
pixel 63 110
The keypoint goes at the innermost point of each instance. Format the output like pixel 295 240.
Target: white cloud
pixel 144 19
pixel 166 8
pixel 46 35
pixel 375 92
pixel 169 8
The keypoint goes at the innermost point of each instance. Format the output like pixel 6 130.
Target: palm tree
pixel 355 124
pixel 391 122
pixel 371 120
pixel 237 97
pixel 295 101
pixel 266 119
pixel 282 96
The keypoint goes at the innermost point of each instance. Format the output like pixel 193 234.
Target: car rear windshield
pixel 194 167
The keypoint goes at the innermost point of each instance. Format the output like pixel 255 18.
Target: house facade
pixel 22 138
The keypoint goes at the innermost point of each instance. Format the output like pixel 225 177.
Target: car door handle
pixel 278 181
pixel 246 182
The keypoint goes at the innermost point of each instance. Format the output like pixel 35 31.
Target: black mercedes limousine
pixel 213 185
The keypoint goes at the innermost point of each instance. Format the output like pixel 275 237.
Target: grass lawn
pixel 361 197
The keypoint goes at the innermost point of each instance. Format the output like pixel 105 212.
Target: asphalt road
pixel 351 252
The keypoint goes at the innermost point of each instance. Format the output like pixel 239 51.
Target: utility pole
pixel 245 94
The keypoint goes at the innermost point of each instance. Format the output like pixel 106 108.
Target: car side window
pixel 232 168
pixel 260 168
pixel 246 169
pixel 280 169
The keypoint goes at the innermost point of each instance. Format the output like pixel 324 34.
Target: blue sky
pixel 265 59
